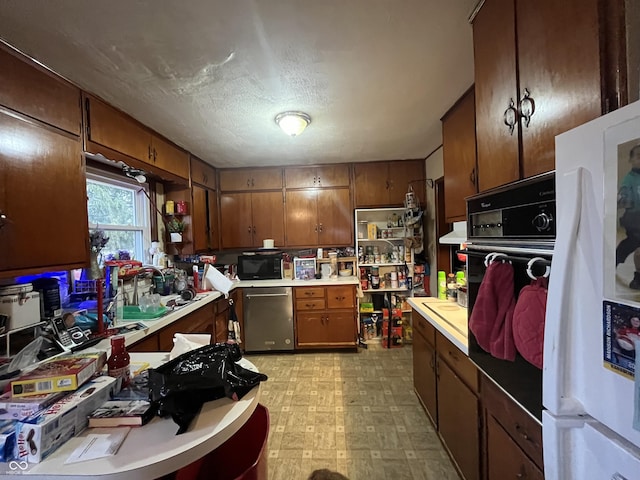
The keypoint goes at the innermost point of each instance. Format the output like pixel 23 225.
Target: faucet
pixel 153 268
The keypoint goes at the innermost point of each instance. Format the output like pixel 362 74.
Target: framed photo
pixel 304 268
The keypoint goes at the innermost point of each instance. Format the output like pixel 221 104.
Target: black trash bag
pixel 182 385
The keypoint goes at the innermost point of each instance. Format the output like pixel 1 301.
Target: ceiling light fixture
pixel 293 123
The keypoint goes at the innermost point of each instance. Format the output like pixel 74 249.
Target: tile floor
pixel 352 412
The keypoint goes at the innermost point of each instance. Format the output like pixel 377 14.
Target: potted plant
pixel 175 226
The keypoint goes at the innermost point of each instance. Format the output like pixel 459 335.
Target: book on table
pixel 114 413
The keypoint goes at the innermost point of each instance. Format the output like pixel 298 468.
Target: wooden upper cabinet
pixel 250 217
pixel 459 154
pixel 496 93
pixel 320 176
pixel 50 202
pixel 37 93
pixel 200 221
pixel 169 158
pixel 385 184
pixel 543 82
pixel 319 217
pixel 238 179
pixel 202 173
pixel 335 217
pixel 564 83
pixel 114 129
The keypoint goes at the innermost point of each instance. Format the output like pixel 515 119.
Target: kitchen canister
pixel 169 207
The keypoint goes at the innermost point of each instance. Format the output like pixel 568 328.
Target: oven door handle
pixel 556 391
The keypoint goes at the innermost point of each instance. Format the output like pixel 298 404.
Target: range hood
pixel 457 236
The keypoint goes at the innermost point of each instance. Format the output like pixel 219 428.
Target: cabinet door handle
pixel 527 107
pixel 511 116
pixel 150 155
pixel 249 229
pixel 310 294
pixel 3 219
pixel 320 228
pixel 155 155
pixel 472 176
pixel 254 229
pixel 318 180
pixel 248 182
pixel 316 228
pixel 252 183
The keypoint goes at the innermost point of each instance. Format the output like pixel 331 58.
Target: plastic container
pixel 442 285
pixel 119 362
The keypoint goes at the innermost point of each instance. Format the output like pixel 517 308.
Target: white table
pixel 154 449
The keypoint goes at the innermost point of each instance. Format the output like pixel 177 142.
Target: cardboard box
pixel 7 440
pixel 60 374
pixel 396 337
pixel 41 434
pixel 18 408
pixel 372 231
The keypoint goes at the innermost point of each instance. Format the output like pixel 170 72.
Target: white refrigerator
pixel 589 352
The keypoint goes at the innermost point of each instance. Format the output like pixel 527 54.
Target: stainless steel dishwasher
pixel 268 318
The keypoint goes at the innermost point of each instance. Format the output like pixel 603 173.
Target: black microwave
pixel 260 267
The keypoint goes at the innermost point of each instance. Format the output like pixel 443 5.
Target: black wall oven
pixel 516 222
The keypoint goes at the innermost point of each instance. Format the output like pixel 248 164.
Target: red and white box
pixel 42 433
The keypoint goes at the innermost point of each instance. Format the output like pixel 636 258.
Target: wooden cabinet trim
pixel 524 430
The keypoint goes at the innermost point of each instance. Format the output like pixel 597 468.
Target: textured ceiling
pixel 374 75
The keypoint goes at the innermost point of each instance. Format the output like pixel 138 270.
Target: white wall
pixel 435 169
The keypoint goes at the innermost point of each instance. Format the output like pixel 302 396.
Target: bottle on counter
pixel 442 285
pixel 452 288
pixel 119 362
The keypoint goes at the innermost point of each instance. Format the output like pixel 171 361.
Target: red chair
pixel 242 457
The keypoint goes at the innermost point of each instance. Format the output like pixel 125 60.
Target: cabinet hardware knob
pixel 249 229
pixel 150 152
pixel 248 182
pixel 252 182
pixel 318 180
pixel 316 229
pixel 472 177
pixel 320 228
pixel 527 107
pixel 511 116
pixel 155 155
pixel 3 219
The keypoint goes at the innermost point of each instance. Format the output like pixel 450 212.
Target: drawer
pixel 520 426
pixel 422 325
pixel 341 297
pixel 458 361
pixel 309 292
pixel 310 304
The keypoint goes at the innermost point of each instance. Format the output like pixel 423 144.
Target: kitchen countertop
pixel 447 317
pixel 204 298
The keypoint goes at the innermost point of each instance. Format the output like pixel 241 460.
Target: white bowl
pixel 345 272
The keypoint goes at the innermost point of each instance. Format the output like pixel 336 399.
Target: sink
pixel 133 312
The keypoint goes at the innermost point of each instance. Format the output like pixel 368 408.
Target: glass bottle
pixel 119 362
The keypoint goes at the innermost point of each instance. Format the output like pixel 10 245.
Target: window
pixel 120 208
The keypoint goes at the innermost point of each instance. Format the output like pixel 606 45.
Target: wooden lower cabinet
pixel 446 382
pixel 325 317
pixel 424 365
pixel 510 428
pixel 505 459
pixel 147 344
pixel 198 321
pixel 459 421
